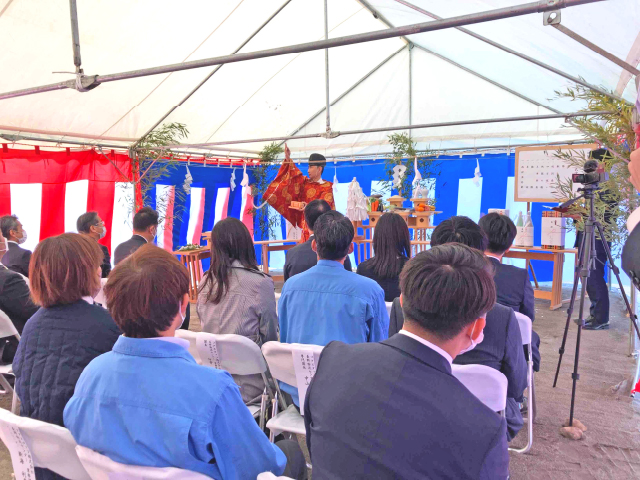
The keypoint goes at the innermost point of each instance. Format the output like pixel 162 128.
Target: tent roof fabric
pixel 439 76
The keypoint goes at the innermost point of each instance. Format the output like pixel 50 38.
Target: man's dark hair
pixel 145 218
pixel 86 221
pixel 313 210
pixel 8 223
pixel 446 288
pixel 459 230
pixel 144 291
pixel 333 234
pixel 500 231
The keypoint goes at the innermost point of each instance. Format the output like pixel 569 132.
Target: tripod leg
pixel 616 271
pixel 572 302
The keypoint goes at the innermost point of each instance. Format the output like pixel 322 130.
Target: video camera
pixel 593 174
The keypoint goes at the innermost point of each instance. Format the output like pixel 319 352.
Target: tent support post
pixel 513 52
pixel 75 36
pixel 326 68
pixel 410 86
pixel 197 87
pixel 566 116
pixel 592 46
pixel 453 22
pixel 346 92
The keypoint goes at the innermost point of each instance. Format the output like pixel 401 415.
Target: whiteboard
pixel 537 169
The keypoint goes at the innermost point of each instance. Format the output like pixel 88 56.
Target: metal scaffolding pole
pixel 326 68
pixel 206 79
pixel 453 22
pixel 402 127
pixel 75 36
pixel 592 46
pixel 513 52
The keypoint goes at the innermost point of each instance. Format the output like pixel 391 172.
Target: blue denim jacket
pixel 148 403
pixel 328 303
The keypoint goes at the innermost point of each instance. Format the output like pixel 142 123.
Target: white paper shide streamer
pixel 245 176
pixel 232 182
pixel 477 175
pixel 356 202
pixel 188 180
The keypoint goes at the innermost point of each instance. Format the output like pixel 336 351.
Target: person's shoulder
pixel 8 276
pixel 364 267
pixel 500 312
pixel 511 269
pixel 104 248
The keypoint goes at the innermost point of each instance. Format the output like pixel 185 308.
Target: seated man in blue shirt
pixel 327 302
pixel 147 402
pixel 393 410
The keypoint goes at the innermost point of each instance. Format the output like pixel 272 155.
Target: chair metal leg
pixel 263 409
pixel 15 409
pixel 531 412
pixel 273 414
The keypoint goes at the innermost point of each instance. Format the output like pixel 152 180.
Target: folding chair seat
pixel 235 354
pixel 279 357
pixel 7 329
pixel 100 298
pixel 486 383
pixel 526 326
pixel 101 467
pixel 389 306
pixel 271 476
pixel 48 445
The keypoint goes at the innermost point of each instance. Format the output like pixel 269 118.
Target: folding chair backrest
pixel 100 298
pixel 101 467
pixel 280 359
pixel 525 327
pixel 191 338
pixel 487 384
pixel 389 306
pixel 7 329
pixel 51 446
pixel 238 355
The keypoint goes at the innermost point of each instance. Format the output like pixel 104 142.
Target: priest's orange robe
pixel 290 185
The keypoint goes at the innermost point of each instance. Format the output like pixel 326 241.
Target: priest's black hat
pixel 317 160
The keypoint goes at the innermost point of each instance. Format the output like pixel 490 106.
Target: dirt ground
pixel 611 449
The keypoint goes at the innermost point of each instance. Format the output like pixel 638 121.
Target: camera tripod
pixel 586 263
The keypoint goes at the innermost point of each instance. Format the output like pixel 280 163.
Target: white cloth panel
pixel 340 193
pixel 163 192
pixel 197 202
pixel 122 223
pixel 222 204
pixel 277 259
pixel 26 203
pixel 75 203
pixel 469 198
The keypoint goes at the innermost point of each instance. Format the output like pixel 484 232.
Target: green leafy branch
pixel 265 218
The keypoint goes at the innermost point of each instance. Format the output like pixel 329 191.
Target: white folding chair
pixel 271 476
pixel 7 329
pixel 486 383
pixel 525 330
pixel 278 295
pixel 389 306
pixel 101 467
pixel 100 298
pixel 238 355
pixel 279 357
pixel 50 446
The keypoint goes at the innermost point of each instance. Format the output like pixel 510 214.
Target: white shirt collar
pixel 178 341
pixel 428 344
pixel 11 241
pixel 89 300
pixel 138 235
pixel 493 256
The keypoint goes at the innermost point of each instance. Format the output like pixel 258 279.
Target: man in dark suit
pixel 512 283
pixel 501 347
pixel 17 258
pixel 301 257
pixel 15 302
pixel 145 228
pixel 92 225
pixel 393 409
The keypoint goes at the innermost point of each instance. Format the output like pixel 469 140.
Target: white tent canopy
pixel 442 76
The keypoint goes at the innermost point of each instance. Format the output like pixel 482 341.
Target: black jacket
pixel 17 259
pixel 393 410
pixel 501 349
pixel 301 258
pixel 106 262
pixel 391 286
pixel 125 249
pixel 15 301
pixel 514 288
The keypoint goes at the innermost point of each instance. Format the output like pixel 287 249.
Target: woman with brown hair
pixel 68 331
pixel 235 297
pixel 392 248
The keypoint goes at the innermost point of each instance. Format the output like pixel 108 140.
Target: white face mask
pixel 103 233
pixel 181 315
pixel 23 238
pixel 473 343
